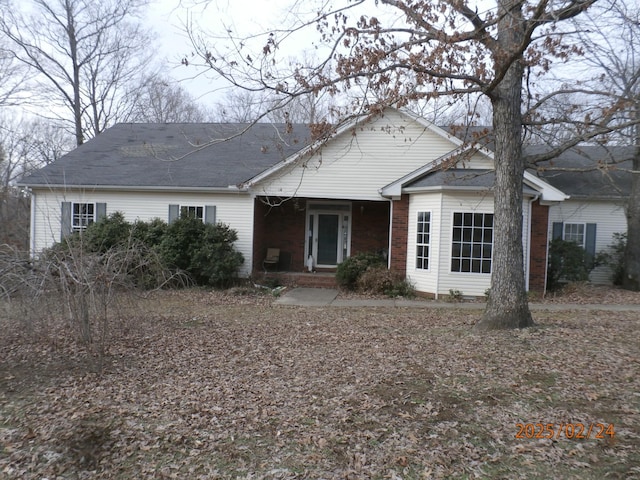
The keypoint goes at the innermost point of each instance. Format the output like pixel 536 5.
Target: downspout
pixel 390 233
pixel 32 226
pixel 439 246
pixel 546 259
pixel 528 252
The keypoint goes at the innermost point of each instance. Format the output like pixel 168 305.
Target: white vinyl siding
pixel 607 215
pixel 424 280
pixel 439 279
pixel 357 164
pixel 469 283
pixel 234 210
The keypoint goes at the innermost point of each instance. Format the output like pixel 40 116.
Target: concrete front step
pixel 295 279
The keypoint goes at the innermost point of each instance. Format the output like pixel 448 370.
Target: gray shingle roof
pixel 456 177
pixel 210 156
pixel 173 155
pixel 459 177
pixel 583 182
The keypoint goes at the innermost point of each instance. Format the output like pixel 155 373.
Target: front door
pixel 328 239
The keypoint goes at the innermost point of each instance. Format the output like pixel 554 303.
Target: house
pixel 377 184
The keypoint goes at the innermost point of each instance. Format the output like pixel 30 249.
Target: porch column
pixel 399 235
pixel 539 242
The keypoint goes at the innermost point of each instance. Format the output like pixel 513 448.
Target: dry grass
pixel 204 385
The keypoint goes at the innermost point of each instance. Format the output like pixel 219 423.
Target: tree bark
pixel 75 82
pixel 508 305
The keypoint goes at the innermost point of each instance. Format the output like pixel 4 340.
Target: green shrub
pixel 215 261
pixel 613 257
pixel 568 262
pixel 99 237
pixel 352 268
pixel 149 233
pixel 379 280
pixel 204 251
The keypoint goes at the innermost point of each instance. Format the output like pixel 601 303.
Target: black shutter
pixel 557 231
pixel 209 214
pixel 65 220
pixel 590 240
pixel 101 211
pixel 174 213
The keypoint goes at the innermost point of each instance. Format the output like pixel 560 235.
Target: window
pixel 206 213
pixel 83 215
pixel 574 232
pixel 472 243
pixel 422 240
pixel 191 211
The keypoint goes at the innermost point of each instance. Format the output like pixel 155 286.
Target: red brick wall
pixel 539 241
pixel 369 227
pixel 280 227
pixel 399 234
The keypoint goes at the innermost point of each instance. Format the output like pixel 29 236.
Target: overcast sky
pixel 169 19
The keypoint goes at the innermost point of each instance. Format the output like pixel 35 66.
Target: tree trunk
pixel 73 53
pixel 508 306
pixel 631 277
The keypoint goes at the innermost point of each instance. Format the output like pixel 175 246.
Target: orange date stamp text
pixel 579 431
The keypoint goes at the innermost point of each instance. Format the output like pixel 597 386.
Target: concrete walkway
pixel 327 297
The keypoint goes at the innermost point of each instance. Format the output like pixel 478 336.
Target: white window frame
pixel 472 243
pixel 80 219
pixel 194 208
pixel 423 240
pixel 572 225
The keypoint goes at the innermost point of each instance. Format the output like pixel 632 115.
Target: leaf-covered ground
pixel 203 385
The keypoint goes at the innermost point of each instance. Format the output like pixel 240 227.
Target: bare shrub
pixel 86 295
pixel 379 280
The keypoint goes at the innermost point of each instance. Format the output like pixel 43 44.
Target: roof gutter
pixel 120 188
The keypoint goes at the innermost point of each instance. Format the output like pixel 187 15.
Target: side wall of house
pixel 234 210
pixel 609 218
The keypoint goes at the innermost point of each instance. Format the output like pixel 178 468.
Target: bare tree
pixel 162 100
pixel 83 55
pixel 25 145
pixel 613 43
pixel 393 52
pixel 12 76
pixel 246 105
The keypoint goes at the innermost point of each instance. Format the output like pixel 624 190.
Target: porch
pixel 325 231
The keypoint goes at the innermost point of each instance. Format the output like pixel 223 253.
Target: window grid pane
pixel 423 240
pixel 83 216
pixel 472 242
pixel 192 211
pixel 574 232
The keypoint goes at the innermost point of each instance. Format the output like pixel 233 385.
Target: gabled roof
pixel 181 155
pixel 209 156
pixel 349 126
pixel 430 174
pixel 461 179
